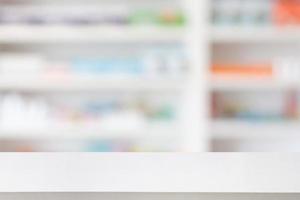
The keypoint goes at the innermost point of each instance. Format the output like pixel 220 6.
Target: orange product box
pixel 243 71
pixel 286 12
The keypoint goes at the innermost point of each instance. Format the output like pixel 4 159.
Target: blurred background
pixel 123 76
pixel 91 75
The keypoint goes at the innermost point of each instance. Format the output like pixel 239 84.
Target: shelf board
pixel 254 34
pixel 238 129
pixel 40 84
pixel 85 132
pixel 251 84
pixel 116 34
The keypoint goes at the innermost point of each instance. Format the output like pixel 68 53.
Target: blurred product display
pixel 237 71
pixel 287 12
pixel 116 86
pixel 90 118
pixel 235 12
pixel 254 76
pixel 21 112
pixel 256 12
pixel 283 70
pixel 155 63
pixel 89 15
pixel 89 75
pixel 256 106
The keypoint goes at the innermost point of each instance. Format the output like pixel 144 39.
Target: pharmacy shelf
pixel 254 34
pixel 61 134
pixel 116 34
pixel 238 129
pixel 148 172
pixel 86 132
pixel 88 84
pixel 253 84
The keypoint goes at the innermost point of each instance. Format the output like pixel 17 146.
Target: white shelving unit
pixel 114 34
pixel 82 132
pixel 251 43
pixel 90 84
pixel 252 85
pixel 254 34
pixel 232 129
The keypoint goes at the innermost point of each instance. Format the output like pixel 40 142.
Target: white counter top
pixel 138 172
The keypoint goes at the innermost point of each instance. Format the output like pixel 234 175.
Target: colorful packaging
pixel 286 12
